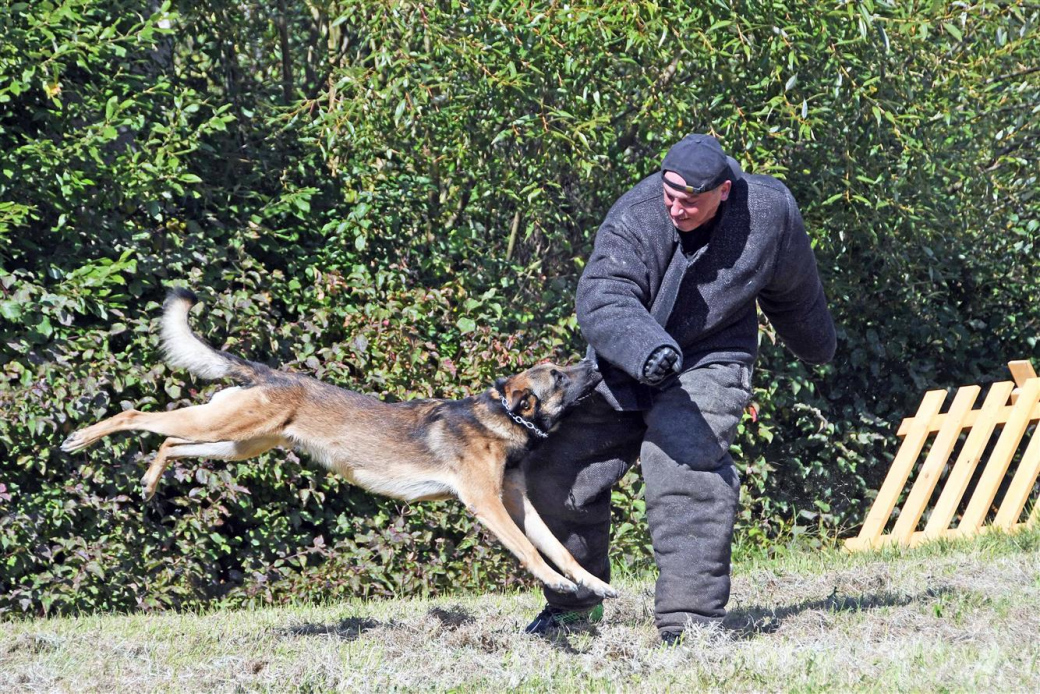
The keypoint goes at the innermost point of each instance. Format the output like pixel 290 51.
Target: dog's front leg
pixel 523 512
pixel 487 507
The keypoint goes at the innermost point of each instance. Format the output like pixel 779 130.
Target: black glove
pixel 662 363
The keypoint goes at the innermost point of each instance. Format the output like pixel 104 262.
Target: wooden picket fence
pixel 1014 405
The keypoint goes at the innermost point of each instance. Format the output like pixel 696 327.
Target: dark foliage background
pixel 398 196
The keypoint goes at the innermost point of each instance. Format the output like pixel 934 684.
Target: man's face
pixel 690 210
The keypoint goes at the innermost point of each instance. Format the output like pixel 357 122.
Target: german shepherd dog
pixel 417 450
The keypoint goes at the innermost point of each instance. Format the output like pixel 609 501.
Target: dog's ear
pixel 519 398
pixel 500 385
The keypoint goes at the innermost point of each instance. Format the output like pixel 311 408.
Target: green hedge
pixel 398 197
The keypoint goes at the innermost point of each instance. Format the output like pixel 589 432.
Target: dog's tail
pixel 185 349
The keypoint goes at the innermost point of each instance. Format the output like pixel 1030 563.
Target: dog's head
pixel 543 393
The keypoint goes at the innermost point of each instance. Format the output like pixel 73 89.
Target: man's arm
pixel 613 301
pixel 794 300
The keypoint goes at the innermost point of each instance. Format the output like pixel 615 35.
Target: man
pixel 667 304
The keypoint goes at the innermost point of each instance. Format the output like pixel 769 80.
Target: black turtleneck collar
pixel 695 239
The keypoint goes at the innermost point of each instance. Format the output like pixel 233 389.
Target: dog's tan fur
pixel 417 450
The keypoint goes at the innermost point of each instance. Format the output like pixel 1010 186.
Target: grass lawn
pixel 946 617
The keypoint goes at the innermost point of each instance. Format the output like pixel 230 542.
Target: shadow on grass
pixel 560 639
pixel 451 618
pixel 749 623
pixel 349 629
pixel 352 628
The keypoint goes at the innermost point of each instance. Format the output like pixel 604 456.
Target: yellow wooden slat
pixel 1034 516
pixel 934 464
pixel 884 541
pixel 919 538
pixel 916 539
pixel 969 421
pixel 972 450
pixel 1021 371
pixel 903 463
pixel 1003 452
pixel 1021 485
pixel 856 544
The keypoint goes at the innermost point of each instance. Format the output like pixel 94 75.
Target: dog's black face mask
pixel 543 394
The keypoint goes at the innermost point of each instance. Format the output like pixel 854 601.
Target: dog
pixel 418 450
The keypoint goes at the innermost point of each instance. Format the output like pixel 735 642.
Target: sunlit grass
pixel 948 616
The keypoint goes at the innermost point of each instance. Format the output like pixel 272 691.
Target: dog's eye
pixel 557 376
pixel 525 404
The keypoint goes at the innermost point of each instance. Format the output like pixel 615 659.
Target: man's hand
pixel 664 362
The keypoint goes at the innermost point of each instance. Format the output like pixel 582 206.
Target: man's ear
pixel 724 189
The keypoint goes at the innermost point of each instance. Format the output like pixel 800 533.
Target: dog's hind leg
pixel 237 416
pixel 488 509
pixel 158 465
pixel 514 497
pixel 222 450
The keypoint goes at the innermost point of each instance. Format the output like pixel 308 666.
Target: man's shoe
pixel 671 638
pixel 553 618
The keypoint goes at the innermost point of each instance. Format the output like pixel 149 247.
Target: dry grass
pixel 946 618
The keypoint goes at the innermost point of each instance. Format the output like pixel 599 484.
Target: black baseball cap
pixel 699 159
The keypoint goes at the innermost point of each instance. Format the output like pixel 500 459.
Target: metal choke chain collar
pixel 520 420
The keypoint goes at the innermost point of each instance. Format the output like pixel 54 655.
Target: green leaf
pixel 11 310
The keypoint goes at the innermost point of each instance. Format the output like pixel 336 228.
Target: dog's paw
pixel 598 587
pixel 562 586
pixel 595 586
pixel 78 440
pixel 149 483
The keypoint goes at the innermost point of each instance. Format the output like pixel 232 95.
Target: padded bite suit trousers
pixel 691 484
